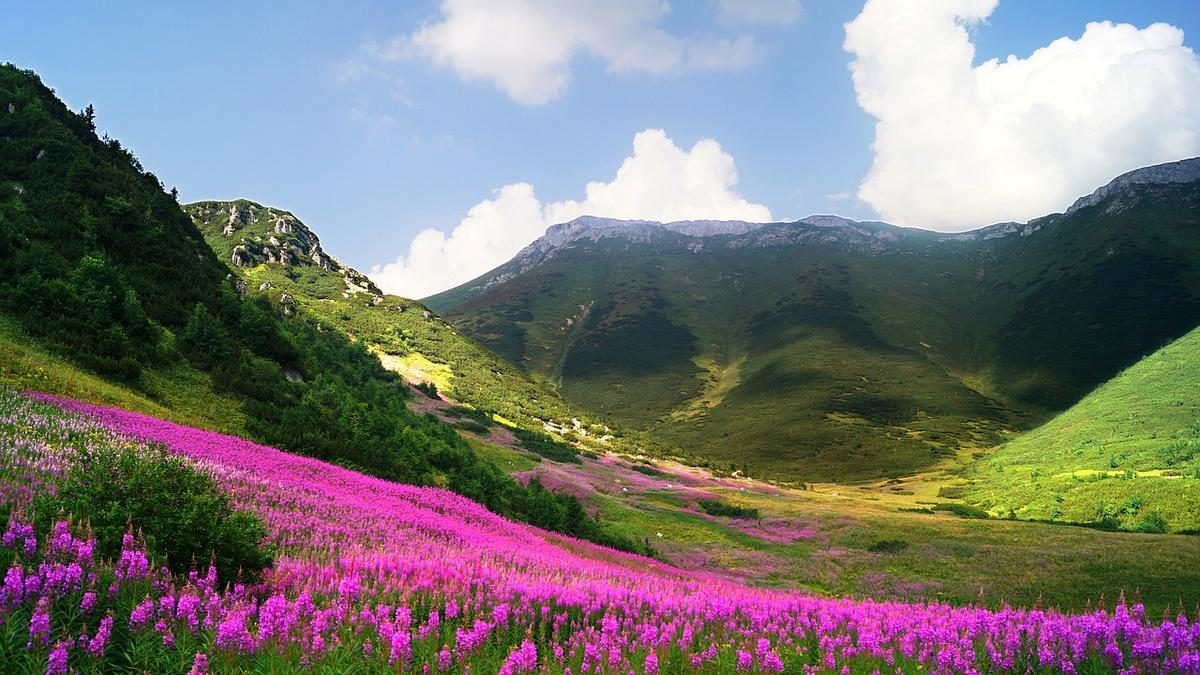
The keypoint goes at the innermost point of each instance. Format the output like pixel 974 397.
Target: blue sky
pixel 232 99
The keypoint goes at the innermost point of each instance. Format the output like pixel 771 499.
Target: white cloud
pixel 659 181
pixel 958 147
pixel 525 47
pixel 780 12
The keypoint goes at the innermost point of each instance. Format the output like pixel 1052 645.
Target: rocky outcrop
pixel 288 304
pixel 1183 171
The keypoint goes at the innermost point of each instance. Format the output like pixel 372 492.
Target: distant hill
pixel 1127 455
pixel 829 349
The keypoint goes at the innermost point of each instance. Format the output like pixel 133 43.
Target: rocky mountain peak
pixel 1183 171
pixel 251 234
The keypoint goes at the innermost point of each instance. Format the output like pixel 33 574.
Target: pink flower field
pixel 374 576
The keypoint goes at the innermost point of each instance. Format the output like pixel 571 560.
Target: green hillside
pixel 279 257
pixel 829 350
pixel 1127 455
pixel 109 291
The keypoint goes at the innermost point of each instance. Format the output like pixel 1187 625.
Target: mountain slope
pixel 828 349
pixel 1127 455
pixel 279 256
pixel 103 270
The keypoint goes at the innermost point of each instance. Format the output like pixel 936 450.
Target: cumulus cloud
pixel 525 47
pixel 958 146
pixel 779 12
pixel 659 181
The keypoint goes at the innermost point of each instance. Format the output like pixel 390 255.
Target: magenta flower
pixel 57 664
pixel 99 641
pixel 199 664
pixel 39 624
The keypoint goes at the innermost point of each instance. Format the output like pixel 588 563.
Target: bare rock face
pixel 240 215
pixel 241 257
pixel 1183 171
pixel 288 303
pixel 240 286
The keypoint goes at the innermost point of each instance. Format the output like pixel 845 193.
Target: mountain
pixel 1127 455
pixel 278 256
pixel 107 282
pixel 830 349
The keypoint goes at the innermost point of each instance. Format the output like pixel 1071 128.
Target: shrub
pixel 888 546
pixel 182 513
pixel 1153 523
pixel 962 510
pixel 428 388
pixel 715 507
pixel 647 470
pixel 546 446
pixel 472 426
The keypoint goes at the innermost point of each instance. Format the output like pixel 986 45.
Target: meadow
pixel 375 576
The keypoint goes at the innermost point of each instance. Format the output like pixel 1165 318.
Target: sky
pixel 427 142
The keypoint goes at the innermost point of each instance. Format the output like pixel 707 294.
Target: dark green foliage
pixel 888 546
pixel 647 470
pixel 472 426
pixel 478 416
pixel 1153 523
pixel 546 446
pixel 716 507
pixel 962 510
pixel 428 388
pixel 183 515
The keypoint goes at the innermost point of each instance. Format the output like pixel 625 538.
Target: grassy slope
pixel 179 393
pixel 421 348
pixel 1128 449
pixel 829 361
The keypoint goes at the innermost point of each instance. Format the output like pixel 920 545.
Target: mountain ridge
pixel 817 319
pixel 590 227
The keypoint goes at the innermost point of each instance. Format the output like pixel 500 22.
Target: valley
pixel 700 446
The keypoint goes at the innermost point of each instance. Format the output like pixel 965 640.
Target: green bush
pixel 546 446
pixel 182 513
pixel 962 510
pixel 715 507
pixel 888 546
pixel 1153 523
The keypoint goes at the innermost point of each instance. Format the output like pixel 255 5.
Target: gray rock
pixel 11 108
pixel 240 215
pixel 41 154
pixel 266 285
pixel 1183 171
pixel 288 303
pixel 241 257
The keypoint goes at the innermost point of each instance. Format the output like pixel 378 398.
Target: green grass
pixel 1128 450
pixel 177 393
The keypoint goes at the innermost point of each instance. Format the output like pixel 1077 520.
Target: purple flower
pixel 57 664
pixel 651 665
pixel 199 664
pixel 100 640
pixel 39 623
